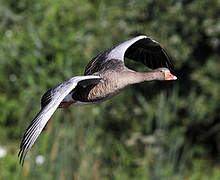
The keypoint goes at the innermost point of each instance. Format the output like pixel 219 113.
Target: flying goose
pixel 105 76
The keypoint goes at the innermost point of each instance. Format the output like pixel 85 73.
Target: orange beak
pixel 169 76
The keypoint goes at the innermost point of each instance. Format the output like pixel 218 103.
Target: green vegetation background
pixel 158 130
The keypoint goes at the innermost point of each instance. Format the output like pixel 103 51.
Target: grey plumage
pixel 141 49
pixel 105 76
pixel 55 96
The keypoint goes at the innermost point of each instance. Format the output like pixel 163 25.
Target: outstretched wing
pixel 141 49
pixel 57 94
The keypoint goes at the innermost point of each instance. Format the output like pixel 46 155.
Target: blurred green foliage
pixel 158 130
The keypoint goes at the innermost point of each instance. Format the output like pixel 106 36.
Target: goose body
pixel 104 77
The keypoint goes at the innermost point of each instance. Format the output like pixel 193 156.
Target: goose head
pixel 164 74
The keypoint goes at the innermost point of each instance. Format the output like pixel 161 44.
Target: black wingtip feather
pixel 46 98
pixel 150 53
pixel 20 154
pixel 28 135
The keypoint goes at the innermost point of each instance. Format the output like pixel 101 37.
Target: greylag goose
pixel 105 76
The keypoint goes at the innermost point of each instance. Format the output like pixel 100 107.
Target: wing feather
pixel 141 49
pixel 56 95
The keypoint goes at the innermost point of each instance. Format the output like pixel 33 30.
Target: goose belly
pixel 105 90
pixel 68 100
pixel 98 93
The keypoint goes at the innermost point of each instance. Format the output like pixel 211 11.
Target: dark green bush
pixel 159 130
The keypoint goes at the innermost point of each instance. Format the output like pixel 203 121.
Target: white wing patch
pixel 119 51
